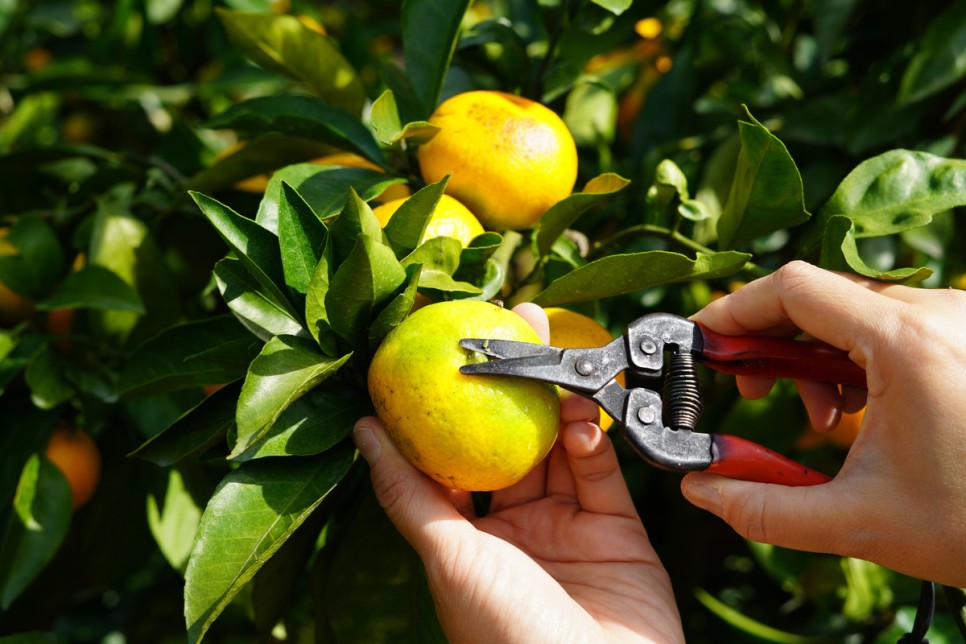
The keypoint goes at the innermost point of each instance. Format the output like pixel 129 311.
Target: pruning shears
pixel 660 426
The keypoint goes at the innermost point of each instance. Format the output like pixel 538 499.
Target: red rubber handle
pixel 738 458
pixel 780 358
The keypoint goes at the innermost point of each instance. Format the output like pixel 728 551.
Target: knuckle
pixel 393 490
pixel 748 515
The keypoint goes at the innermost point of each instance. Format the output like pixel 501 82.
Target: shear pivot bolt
pixel 584 367
pixel 646 415
pixel 648 347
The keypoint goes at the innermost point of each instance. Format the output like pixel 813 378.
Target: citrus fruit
pixel 842 435
pixel 572 330
pixel 476 433
pixel 75 454
pixel 14 307
pixel 449 219
pixel 509 158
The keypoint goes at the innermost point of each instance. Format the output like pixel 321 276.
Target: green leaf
pixel 367 278
pixel 47 379
pixel 38 261
pixel 316 316
pixel 94 287
pixel 430 30
pixel 408 224
pixel 37 526
pixel 252 513
pixel 261 315
pixel 748 625
pixel 389 128
pixel 840 253
pixel 285 370
pixel 176 358
pixel 439 258
pixel 302 238
pixel 766 194
pixel 196 431
pixel 300 116
pixel 938 61
pixel 173 520
pixel 563 214
pixel 257 248
pixel 356 219
pixel 397 310
pixel 312 424
pixel 325 187
pixel 896 191
pixel 616 7
pixel 621 274
pixel 283 44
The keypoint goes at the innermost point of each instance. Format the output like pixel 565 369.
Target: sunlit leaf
pixel 563 214
pixel 388 126
pixel 408 224
pixel 840 253
pixel 302 238
pixel 252 513
pixel 281 43
pixel 621 274
pixel 260 314
pixel 173 519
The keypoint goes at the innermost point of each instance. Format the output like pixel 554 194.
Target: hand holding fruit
pixel 562 554
pixel 899 498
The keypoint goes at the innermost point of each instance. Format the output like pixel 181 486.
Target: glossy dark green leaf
pixel 388 126
pixel 316 317
pixel 260 314
pixel 325 187
pixel 46 378
pixel 397 310
pixel 896 191
pixel 563 214
pixel 938 61
pixel 840 253
pixel 407 225
pixel 375 587
pixel 430 30
pixel 301 116
pixel 196 431
pixel 281 43
pixel 38 524
pixel 174 359
pixel 766 194
pixel 252 513
pixel 356 219
pixel 312 424
pixel 302 238
pixel 621 274
pixel 94 287
pixel 368 277
pixel 285 370
pixel 36 266
pixel 257 248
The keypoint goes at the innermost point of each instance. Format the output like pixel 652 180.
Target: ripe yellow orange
pixel 509 158
pixel 14 307
pixel 75 453
pixel 476 433
pixel 572 330
pixel 842 435
pixel 449 219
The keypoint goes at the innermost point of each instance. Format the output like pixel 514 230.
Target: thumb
pixel 802 518
pixel 420 509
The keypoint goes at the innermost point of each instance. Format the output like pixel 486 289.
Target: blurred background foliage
pixel 104 109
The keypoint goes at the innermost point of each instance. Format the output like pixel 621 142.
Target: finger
pixel 829 306
pixel 574 407
pixel 803 518
pixel 420 508
pixel 536 318
pixel 853 399
pixel 600 485
pixel 560 478
pixel 463 502
pixel 823 402
pixel 753 387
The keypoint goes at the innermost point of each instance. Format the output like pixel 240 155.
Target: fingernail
pixel 366 442
pixel 705 496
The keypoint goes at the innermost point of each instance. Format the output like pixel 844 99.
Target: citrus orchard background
pixel 194 275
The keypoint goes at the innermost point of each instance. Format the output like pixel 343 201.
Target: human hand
pixel 899 499
pixel 561 556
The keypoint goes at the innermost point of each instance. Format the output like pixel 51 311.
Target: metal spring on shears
pixel 682 392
